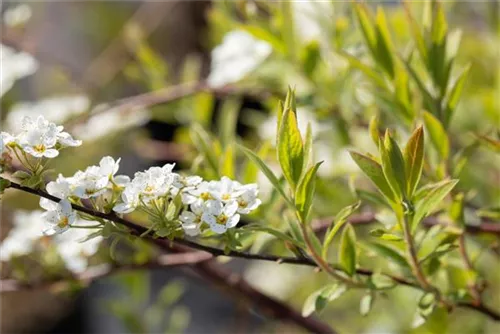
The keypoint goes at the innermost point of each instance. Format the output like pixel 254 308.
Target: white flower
pixel 66 140
pixel 60 218
pixel 14 67
pixel 61 188
pixel 192 219
pixel 57 109
pixel 26 231
pixel 226 190
pixel 90 183
pixel 221 216
pixel 17 15
pixel 74 249
pixel 199 194
pixel 184 183
pixel 237 56
pixel 146 186
pixel 248 201
pixel 7 139
pixel 39 137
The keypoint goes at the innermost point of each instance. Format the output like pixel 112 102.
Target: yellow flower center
pixel 242 203
pixel 39 148
pixel 149 188
pixel 205 196
pixel 226 197
pixel 222 219
pixel 63 222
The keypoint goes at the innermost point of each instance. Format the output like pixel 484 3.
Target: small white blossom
pixel 248 200
pixel 184 183
pixel 60 218
pixel 130 198
pixel 221 216
pixel 199 194
pixel 61 188
pixel 226 190
pixel 192 219
pixel 238 55
pixel 66 140
pixel 39 137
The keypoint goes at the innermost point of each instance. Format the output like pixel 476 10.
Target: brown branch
pixel 168 245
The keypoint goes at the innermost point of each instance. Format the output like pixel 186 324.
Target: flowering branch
pixel 214 252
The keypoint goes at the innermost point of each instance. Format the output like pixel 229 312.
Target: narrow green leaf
pixel 425 206
pixel 347 250
pixel 368 71
pixel 414 159
pixel 267 172
pixel 383 43
pixel 393 166
pixel 382 234
pixel 429 101
pixel 366 24
pixel 290 148
pixel 454 94
pixel 374 132
pixel 307 147
pixel 438 135
pixel 305 192
pixel 227 162
pixel 372 197
pixel 390 254
pixel 366 304
pixel 381 281
pixel 227 119
pixel 205 145
pixel 374 171
pixel 417 35
pixel 319 298
pixel 251 170
pixel 339 221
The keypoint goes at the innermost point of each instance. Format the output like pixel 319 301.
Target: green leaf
pixel 227 163
pixel 438 135
pixel 393 166
pixel 372 197
pixel 308 147
pixel 454 94
pixel 347 250
pixel 366 304
pixel 290 148
pixel 457 210
pixel 381 281
pixel 368 71
pixel 267 172
pixel 425 206
pixel 429 101
pixel 305 192
pixel 339 221
pixel 227 119
pixel 383 45
pixel 366 24
pixel 4 184
pixel 414 159
pixel 382 234
pixel 251 170
pixel 319 298
pixel 265 35
pixel 390 254
pixel 417 35
pixel 21 175
pixel 374 171
pixel 311 57
pixel 205 145
pixel 374 133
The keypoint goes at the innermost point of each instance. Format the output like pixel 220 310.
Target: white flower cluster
pixel 239 54
pixel 72 246
pixel 39 138
pixel 15 66
pixel 218 204
pixel 93 182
